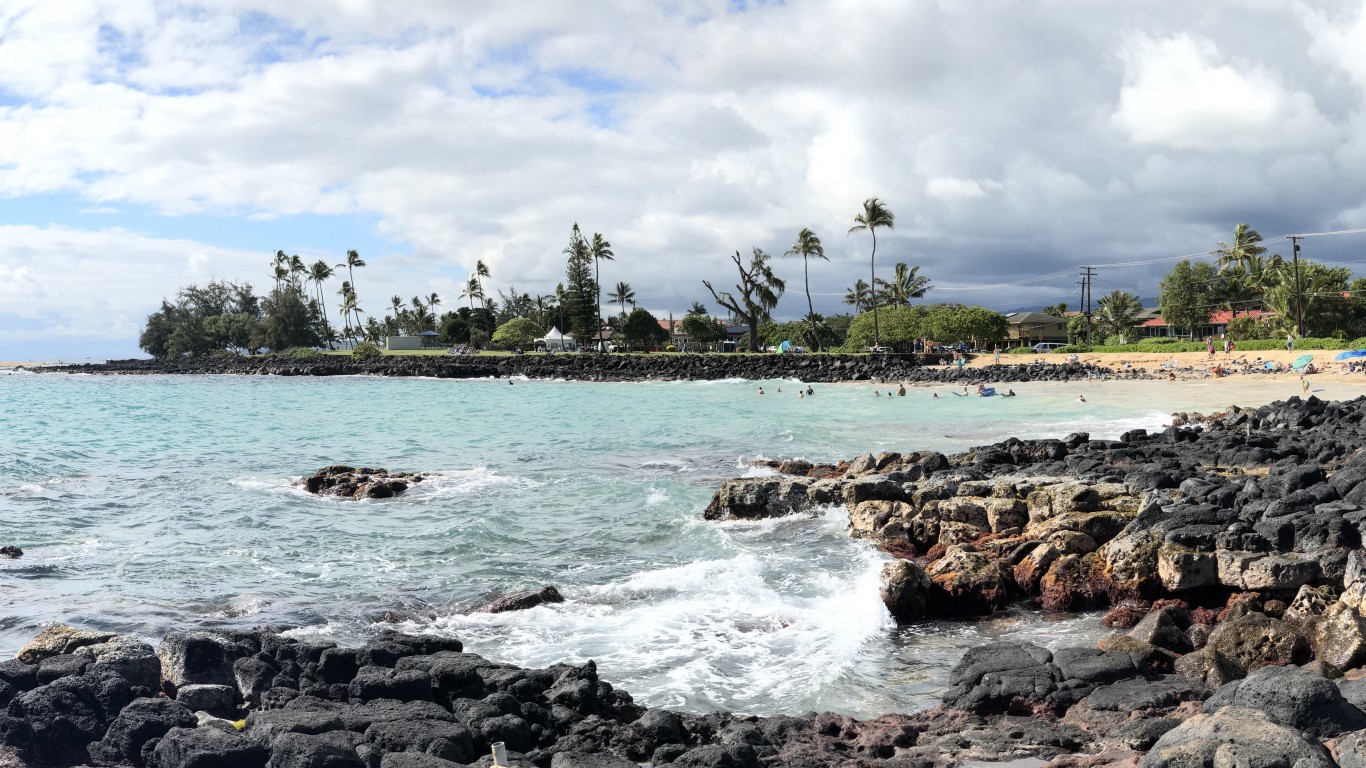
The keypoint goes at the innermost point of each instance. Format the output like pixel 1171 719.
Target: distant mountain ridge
pixel 1073 306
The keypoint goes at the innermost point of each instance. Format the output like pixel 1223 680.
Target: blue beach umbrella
pixel 785 347
pixel 1348 354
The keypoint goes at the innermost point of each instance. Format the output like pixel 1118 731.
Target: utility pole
pixel 1088 273
pixel 1299 295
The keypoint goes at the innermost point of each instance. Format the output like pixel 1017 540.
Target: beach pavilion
pixel 557 340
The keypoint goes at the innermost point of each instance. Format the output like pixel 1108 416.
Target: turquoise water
pixel 146 504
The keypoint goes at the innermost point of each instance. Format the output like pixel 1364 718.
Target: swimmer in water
pixel 761 390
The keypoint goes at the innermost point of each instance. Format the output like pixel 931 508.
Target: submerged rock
pixel 11 551
pixel 521 600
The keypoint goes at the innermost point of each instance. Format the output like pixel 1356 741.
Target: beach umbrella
pixel 1302 361
pixel 785 347
pixel 1348 354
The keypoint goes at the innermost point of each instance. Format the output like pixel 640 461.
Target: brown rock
pixel 905 590
pixel 521 600
pixel 967 583
pixel 1256 640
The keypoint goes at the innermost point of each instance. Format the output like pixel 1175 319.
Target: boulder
pixel 302 750
pixel 1000 677
pixel 138 723
pixel 1160 628
pixel 384 683
pixel 216 699
pixel 55 722
pixel 1340 636
pixel 133 660
pixel 60 639
pixel 11 551
pixel 751 498
pixel 207 748
pixel 197 657
pixel 1292 697
pixel 967 583
pixel 1257 640
pixel 905 590
pixel 522 600
pixel 1233 736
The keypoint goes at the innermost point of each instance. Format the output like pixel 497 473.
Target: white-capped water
pixel 146 504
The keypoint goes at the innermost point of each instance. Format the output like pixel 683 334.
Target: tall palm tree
pixel 433 301
pixel 349 309
pixel 1244 246
pixel 807 246
pixel 600 250
pixel 322 271
pixel 906 284
pixel 623 295
pixel 473 291
pixel 396 302
pixel 1117 313
pixel 297 270
pixel 280 268
pixel 857 295
pixel 874 215
pixel 352 263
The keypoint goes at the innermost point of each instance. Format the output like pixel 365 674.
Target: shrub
pixel 670 348
pixel 300 353
pixel 1018 351
pixel 366 351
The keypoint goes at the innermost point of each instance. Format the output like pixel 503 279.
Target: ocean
pixel 146 504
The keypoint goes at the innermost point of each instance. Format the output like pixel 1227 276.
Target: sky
pixel 149 144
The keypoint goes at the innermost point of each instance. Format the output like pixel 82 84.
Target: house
pixel 1217 325
pixel 1026 328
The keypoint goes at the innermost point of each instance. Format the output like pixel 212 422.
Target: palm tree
pixel 396 302
pixel 348 308
pixel 623 295
pixel 808 245
pixel 323 271
pixel 857 295
pixel 1117 313
pixel 905 285
pixel 433 301
pixel 345 292
pixel 296 269
pixel 473 290
pixel 353 262
pixel 1244 246
pixel 874 215
pixel 600 250
pixel 280 268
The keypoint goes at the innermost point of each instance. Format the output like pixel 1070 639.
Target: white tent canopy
pixel 558 340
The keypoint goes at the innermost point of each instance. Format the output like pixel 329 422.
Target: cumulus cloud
pixel 1009 144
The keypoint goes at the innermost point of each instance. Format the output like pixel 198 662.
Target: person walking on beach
pixel 1289 342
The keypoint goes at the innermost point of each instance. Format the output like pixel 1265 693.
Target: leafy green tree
pixel 808 246
pixel 642 330
pixel 581 290
pixel 977 325
pixel 1321 290
pixel 759 290
pixel 234 332
pixel 189 326
pixel 288 321
pixel 906 284
pixel 875 214
pixel 1187 294
pixel 1117 313
pixel 837 326
pixel 899 330
pixel 454 329
pixel 517 332
pixel 701 328
pixel 1076 329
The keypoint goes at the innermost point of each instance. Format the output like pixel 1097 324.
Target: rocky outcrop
pixel 11 551
pixel 359 482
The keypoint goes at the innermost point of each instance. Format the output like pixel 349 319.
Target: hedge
pixel 1167 345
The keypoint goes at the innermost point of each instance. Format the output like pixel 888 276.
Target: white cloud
pixel 681 130
pixel 1177 94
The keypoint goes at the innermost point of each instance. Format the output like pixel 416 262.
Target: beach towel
pixel 1348 354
